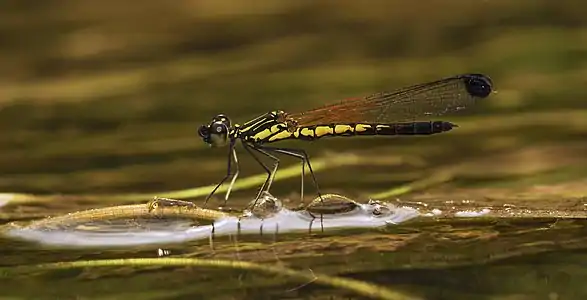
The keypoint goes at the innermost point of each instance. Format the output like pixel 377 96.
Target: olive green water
pixel 99 100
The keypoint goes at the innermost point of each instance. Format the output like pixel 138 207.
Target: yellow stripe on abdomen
pixel 363 128
pixel 306 132
pixel 343 129
pixel 323 130
pixel 316 132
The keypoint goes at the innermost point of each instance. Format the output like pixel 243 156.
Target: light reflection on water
pixel 122 232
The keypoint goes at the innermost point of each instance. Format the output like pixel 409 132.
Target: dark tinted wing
pixel 415 103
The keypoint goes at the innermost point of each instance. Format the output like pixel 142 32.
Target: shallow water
pixel 443 250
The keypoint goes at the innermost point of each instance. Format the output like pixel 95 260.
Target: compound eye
pixel 203 131
pixel 223 119
pixel 219 129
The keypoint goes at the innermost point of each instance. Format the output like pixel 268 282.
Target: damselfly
pixel 404 111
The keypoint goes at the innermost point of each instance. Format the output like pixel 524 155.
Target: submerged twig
pixel 129 211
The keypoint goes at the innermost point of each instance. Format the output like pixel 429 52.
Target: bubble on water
pixel 472 213
pixel 436 212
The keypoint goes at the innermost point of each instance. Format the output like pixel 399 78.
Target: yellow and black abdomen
pixel 411 128
pixel 308 133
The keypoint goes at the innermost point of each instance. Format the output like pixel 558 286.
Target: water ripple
pixel 121 232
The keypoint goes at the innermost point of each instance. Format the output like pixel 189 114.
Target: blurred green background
pixel 106 96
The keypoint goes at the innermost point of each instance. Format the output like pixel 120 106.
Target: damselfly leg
pixel 303 156
pixel 297 153
pixel 270 172
pixel 231 156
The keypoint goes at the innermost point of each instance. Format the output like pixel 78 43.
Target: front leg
pixel 231 155
pixel 236 172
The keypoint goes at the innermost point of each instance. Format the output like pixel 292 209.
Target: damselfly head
pixel 216 133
